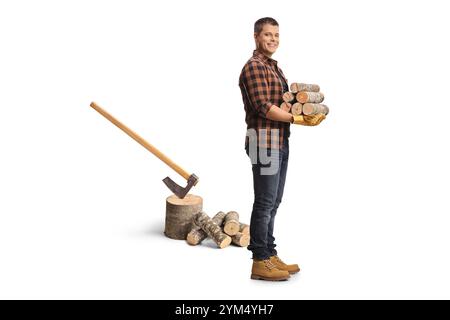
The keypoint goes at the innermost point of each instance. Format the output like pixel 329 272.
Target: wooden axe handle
pixel 141 141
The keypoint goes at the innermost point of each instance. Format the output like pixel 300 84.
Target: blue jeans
pixel 268 191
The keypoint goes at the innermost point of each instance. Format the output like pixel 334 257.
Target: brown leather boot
pixel 265 270
pixel 291 268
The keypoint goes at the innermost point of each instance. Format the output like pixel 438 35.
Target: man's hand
pixel 309 120
pixel 315 119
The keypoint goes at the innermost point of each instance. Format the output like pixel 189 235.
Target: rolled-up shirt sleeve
pixel 255 82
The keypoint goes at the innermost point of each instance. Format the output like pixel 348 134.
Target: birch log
pixel 197 235
pixel 231 223
pixel 212 230
pixel 297 109
pixel 244 228
pixel 288 96
pixel 179 213
pixel 314 108
pixel 241 239
pixel 286 106
pixel 297 87
pixel 312 97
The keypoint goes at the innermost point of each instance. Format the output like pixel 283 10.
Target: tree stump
pixel 231 223
pixel 241 239
pixel 297 87
pixel 314 108
pixel 312 97
pixel 297 109
pixel 197 235
pixel 212 230
pixel 179 213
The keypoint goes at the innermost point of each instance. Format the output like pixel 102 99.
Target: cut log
pixel 197 235
pixel 311 97
pixel 315 108
pixel 297 109
pixel 241 239
pixel 212 230
pixel 286 106
pixel 297 87
pixel 231 223
pixel 244 228
pixel 288 96
pixel 179 213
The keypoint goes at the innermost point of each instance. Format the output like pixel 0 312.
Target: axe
pixel 179 191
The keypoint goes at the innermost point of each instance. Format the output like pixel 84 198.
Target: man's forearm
pixel 276 114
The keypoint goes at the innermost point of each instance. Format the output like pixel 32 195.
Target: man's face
pixel 268 39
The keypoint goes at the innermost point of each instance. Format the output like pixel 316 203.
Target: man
pixel 262 85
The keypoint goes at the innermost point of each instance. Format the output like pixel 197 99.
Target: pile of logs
pixel 223 229
pixel 185 220
pixel 304 99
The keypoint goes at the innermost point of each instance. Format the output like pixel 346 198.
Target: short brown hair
pixel 259 24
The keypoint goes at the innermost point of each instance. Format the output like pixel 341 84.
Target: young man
pixel 262 85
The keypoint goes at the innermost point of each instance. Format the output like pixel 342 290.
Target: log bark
pixel 231 223
pixel 288 96
pixel 310 97
pixel 179 214
pixel 244 228
pixel 297 109
pixel 241 239
pixel 297 87
pixel 212 230
pixel 315 108
pixel 197 235
pixel 286 106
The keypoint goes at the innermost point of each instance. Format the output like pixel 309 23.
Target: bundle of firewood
pixel 304 99
pixel 185 220
pixel 223 228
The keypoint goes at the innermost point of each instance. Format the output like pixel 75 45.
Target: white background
pixel 82 206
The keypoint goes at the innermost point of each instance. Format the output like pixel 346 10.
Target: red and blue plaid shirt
pixel 262 85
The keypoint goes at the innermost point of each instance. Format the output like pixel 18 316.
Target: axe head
pixel 179 191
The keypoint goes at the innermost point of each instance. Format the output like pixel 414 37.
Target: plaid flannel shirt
pixel 261 84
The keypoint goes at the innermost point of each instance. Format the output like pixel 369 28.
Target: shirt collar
pixel 263 57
